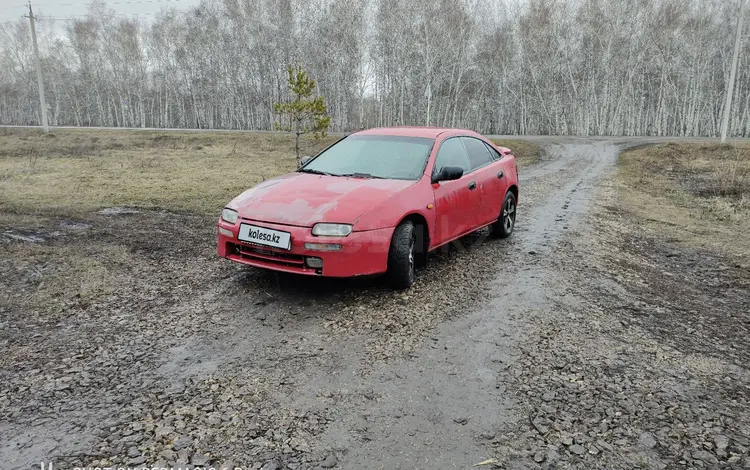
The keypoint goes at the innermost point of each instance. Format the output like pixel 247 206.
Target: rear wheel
pixel 503 226
pixel 401 256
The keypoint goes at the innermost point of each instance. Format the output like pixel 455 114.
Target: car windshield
pixel 374 156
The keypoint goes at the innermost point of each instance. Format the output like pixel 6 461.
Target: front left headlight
pixel 229 215
pixel 331 230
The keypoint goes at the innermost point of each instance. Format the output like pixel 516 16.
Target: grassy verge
pixel 76 171
pixel 527 153
pixel 696 194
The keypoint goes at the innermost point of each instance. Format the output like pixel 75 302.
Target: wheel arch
pixel 514 189
pixel 419 220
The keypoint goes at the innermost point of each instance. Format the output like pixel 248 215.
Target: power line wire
pixel 77 17
pixel 147 13
pixel 93 15
pixel 117 2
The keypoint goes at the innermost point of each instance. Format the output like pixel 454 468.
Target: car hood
pixel 304 199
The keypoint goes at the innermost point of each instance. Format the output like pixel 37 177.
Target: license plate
pixel 265 236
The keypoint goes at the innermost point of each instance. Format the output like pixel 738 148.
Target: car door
pixel 453 199
pixel 484 175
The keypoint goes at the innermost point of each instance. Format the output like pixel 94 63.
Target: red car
pixel 376 201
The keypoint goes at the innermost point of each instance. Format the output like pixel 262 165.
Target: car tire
pixel 401 257
pixel 503 226
pixel 421 246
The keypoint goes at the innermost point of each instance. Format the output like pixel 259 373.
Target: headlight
pixel 332 230
pixel 229 215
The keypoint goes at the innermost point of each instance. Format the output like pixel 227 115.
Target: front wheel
pixel 503 226
pixel 401 256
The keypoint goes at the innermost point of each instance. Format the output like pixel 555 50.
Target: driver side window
pixel 451 153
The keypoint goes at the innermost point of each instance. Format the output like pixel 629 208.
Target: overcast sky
pixel 14 9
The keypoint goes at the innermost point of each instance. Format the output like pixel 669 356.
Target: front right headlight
pixel 331 230
pixel 229 215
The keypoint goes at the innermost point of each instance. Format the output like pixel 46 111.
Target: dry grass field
pixel 694 194
pixel 81 171
pixel 526 152
pixel 78 171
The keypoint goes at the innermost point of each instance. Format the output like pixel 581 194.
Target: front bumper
pixel 362 253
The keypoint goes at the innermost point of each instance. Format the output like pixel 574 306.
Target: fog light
pixel 313 262
pixel 225 232
pixel 323 246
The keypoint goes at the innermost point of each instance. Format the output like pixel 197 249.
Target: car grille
pixel 262 254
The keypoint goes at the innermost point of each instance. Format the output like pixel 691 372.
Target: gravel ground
pixel 123 347
pixel 639 358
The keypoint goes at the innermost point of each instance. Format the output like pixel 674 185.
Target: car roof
pixel 413 131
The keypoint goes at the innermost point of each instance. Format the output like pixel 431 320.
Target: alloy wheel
pixel 509 214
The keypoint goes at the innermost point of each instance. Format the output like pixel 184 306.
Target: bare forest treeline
pixel 608 67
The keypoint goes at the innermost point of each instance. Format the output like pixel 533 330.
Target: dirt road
pixel 436 405
pixel 193 360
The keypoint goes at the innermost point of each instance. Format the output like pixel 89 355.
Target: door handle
pixel 500 174
pixel 472 185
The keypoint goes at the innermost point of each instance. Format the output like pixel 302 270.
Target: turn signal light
pixel 323 246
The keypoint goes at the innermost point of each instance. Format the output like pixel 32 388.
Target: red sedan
pixel 376 201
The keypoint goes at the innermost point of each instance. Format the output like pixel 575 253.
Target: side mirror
pixel 303 161
pixel 448 173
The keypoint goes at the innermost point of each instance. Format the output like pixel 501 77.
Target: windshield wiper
pixel 362 175
pixel 314 172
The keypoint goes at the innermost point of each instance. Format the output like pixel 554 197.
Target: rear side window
pixel 452 153
pixel 494 153
pixel 478 153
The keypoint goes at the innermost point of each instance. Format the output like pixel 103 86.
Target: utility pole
pixel 732 74
pixel 39 79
